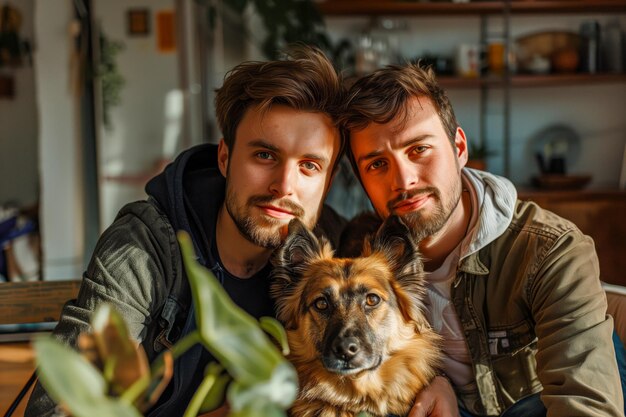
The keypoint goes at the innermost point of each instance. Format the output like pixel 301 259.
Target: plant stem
pixel 134 391
pixel 177 350
pixel 139 386
pixel 198 397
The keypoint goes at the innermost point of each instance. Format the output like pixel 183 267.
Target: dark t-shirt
pixel 251 294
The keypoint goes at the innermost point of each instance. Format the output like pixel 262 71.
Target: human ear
pixel 222 157
pixel 460 146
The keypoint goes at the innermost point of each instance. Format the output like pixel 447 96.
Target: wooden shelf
pixel 532 80
pixel 555 80
pixel 449 81
pixel 399 7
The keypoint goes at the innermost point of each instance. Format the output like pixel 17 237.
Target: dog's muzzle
pixel 348 354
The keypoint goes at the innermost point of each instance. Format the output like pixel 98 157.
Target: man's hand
pixel 436 400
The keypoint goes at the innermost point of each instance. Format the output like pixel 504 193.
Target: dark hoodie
pixel 190 192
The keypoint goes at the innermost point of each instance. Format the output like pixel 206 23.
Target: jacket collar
pixel 496 197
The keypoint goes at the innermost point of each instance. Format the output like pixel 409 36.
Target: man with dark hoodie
pixel 275 162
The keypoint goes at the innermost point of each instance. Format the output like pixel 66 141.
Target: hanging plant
pixel 286 22
pixel 12 47
pixel 111 80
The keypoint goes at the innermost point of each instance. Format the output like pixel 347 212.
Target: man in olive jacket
pixel 513 289
pixel 274 163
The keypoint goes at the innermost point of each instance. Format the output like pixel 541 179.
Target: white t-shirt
pixel 457 363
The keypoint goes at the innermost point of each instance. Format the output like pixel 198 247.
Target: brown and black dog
pixel 357 334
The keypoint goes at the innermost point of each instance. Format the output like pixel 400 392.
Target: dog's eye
pixel 321 304
pixel 372 300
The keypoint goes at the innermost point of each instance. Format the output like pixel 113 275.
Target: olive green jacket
pixel 533 311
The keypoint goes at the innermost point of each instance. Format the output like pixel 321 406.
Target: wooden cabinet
pixel 599 214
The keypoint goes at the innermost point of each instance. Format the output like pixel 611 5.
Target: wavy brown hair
pixel 306 80
pixel 381 97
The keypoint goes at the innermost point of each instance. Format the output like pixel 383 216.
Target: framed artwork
pixel 138 22
pixel 166 31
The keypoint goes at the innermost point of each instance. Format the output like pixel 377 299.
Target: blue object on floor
pixel 620 355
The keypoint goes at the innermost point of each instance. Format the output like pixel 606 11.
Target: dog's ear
pixel 398 244
pixel 300 247
pixel 290 260
pixel 357 233
pixel 395 242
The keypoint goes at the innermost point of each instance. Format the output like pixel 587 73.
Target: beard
pixel 263 231
pixel 424 224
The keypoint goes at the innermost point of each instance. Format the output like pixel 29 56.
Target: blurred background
pixel 96 96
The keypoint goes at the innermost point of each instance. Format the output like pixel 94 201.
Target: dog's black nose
pixel 346 347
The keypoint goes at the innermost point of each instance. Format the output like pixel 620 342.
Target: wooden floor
pixel 16 366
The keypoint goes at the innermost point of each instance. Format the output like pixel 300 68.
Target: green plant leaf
pixel 217 393
pixel 259 410
pixel 73 382
pixel 279 390
pixel 273 327
pixel 260 372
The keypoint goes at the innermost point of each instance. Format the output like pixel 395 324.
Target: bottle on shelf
pixel 590 46
pixel 612 47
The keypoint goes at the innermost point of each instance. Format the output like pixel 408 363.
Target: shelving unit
pixel 395 7
pixel 486 9
pixel 530 80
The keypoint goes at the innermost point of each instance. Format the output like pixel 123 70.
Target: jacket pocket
pixel 170 332
pixel 513 349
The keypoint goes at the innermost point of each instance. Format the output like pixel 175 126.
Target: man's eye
pixel 311 166
pixel 376 165
pixel 264 155
pixel 419 149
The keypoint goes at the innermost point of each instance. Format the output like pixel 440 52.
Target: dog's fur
pixel 357 334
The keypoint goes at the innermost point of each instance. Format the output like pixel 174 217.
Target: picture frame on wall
pixel 165 31
pixel 138 22
pixel 7 87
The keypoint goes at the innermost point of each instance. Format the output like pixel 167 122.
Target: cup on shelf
pixel 468 60
pixel 495 57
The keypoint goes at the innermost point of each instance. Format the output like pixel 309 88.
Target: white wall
pixel 19 172
pixel 59 152
pixel 596 111
pixel 138 138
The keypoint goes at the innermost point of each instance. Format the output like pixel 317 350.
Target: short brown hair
pixel 381 96
pixel 306 80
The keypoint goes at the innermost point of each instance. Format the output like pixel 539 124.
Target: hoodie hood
pixel 195 168
pixel 496 198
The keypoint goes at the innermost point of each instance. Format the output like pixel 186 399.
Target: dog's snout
pixel 346 347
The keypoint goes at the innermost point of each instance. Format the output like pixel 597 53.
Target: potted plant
pixel 478 153
pixel 113 379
